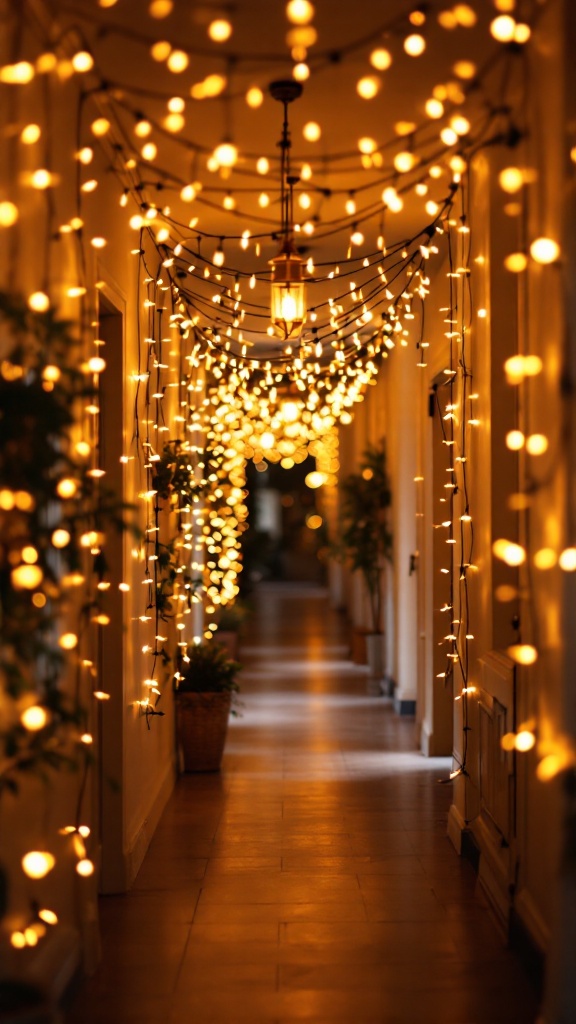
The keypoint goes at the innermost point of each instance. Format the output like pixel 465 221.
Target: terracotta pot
pixel 201 728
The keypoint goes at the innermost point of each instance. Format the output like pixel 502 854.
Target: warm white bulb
pixel 39 302
pixel 82 62
pixel 96 364
pixel 301 72
pixel 178 61
pixel 226 154
pixel 160 8
pixel 434 108
pixel 367 145
pixel 68 641
pixel 60 538
pixel 461 125
pixel 523 654
pixel 465 69
pixel 220 30
pixel 174 122
pixel 30 134
pixel 142 128
pixel 34 718
pixel 414 44
pixel 26 577
pixel 85 867
pixel 8 214
pixel 514 440
pixel 392 200
pixel 567 560
pixel 160 50
pixel 368 87
pixel 299 12
pixel 37 863
pixel 312 131
pixel 503 28
pixel 449 136
pixel 525 740
pixel 522 34
pixel 537 444
pixel 41 179
pixel 405 161
pixel 545 558
pixel 509 552
pixel 380 59
pixel 511 179
pixel 516 262
pixel 254 97
pixel 17 74
pixel 544 250
pixel 100 126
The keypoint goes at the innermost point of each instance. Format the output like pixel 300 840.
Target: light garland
pixel 212 389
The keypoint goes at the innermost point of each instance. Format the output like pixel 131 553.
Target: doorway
pixel 435 688
pixel 110 661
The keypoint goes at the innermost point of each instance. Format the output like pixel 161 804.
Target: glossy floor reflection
pixel 311 880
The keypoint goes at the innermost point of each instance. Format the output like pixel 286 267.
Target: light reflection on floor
pixel 311 880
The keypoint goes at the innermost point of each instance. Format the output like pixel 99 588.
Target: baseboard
pixel 457 828
pixel 140 842
pixel 404 708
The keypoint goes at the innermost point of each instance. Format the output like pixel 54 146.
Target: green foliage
pixel 231 616
pixel 207 669
pixel 174 475
pixel 364 537
pixel 175 485
pixel 40 392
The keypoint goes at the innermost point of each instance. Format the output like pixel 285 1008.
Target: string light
pixel 312 131
pixel 220 30
pixel 231 398
pixel 368 87
pixel 414 44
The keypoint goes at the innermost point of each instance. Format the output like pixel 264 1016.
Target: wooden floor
pixel 312 879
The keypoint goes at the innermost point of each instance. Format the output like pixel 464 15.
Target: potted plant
pixel 205 683
pixel 365 540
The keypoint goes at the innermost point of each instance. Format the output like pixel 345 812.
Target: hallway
pixel 312 880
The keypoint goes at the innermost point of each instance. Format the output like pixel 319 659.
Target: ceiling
pixel 135 87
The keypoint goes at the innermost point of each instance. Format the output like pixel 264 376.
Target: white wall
pixel 138 761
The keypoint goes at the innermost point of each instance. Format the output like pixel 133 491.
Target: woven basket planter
pixel 201 727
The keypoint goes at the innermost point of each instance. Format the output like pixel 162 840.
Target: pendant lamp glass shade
pixel 288 290
pixel 288 294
